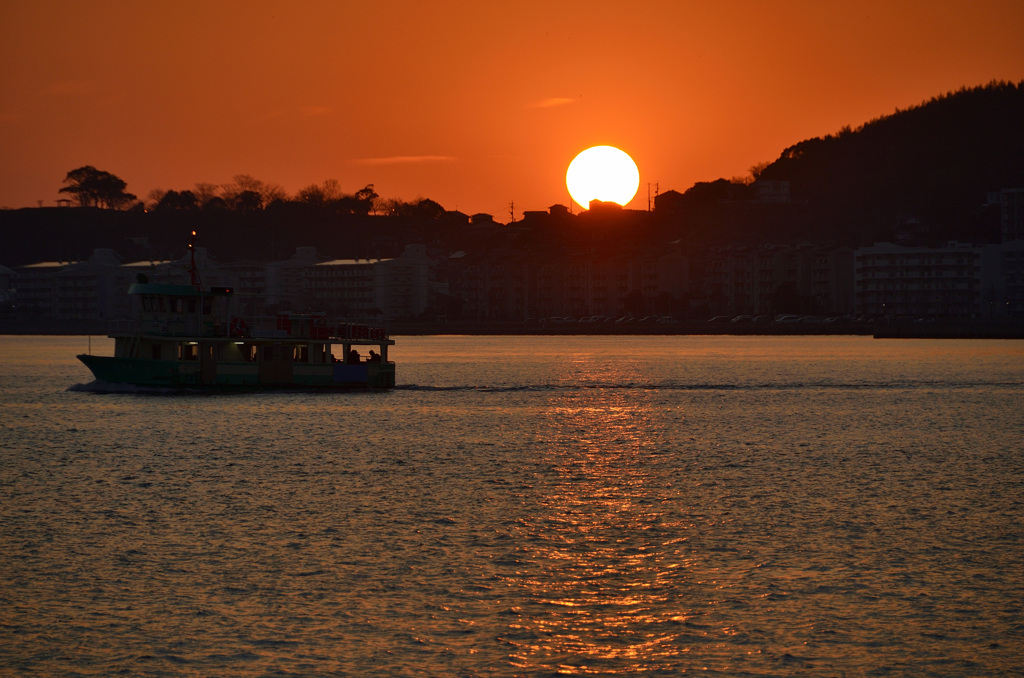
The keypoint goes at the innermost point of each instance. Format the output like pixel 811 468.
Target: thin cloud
pixel 313 111
pixel 69 87
pixel 294 114
pixel 405 159
pixel 551 102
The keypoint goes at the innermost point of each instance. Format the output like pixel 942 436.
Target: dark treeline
pixel 921 173
pixel 927 168
pixel 933 163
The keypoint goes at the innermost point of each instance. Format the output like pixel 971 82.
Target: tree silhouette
pixel 366 195
pixel 248 201
pixel 421 210
pixel 175 201
pixel 312 195
pixel 95 188
pixel 246 193
pixel 320 195
pixel 361 203
pixel 205 192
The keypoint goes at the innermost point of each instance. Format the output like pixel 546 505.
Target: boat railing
pixel 304 326
pixel 282 326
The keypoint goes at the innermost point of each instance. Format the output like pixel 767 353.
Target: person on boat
pixel 374 357
pixel 353 357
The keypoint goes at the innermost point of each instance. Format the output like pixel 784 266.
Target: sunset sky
pixel 473 104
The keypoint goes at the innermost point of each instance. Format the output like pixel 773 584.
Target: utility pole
pixel 649 207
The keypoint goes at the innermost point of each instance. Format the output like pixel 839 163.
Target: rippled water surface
pixel 525 506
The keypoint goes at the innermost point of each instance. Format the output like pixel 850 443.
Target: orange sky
pixel 473 104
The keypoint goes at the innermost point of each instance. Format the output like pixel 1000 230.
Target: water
pixel 525 506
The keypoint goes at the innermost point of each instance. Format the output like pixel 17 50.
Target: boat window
pixel 191 305
pixel 156 351
pixel 178 305
pixel 252 352
pixel 268 353
pixel 207 306
pixel 300 354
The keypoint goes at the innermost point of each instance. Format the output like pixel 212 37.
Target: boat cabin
pixel 188 336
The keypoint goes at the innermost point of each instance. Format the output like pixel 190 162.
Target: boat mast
pixel 193 271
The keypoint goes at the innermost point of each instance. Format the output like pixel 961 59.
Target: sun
pixel 602 173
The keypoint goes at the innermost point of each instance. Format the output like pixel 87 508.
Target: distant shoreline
pixel 891 329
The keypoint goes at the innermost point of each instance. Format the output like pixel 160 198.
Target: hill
pixel 924 171
pixel 921 174
pixel 934 163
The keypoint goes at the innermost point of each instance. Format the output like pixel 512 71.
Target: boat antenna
pixel 193 271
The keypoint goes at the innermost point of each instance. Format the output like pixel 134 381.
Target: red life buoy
pixel 238 328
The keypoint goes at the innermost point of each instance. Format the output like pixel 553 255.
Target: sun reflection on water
pixel 603 568
pixel 741 506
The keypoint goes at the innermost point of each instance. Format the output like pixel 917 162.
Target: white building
pixel 398 288
pixel 7 277
pixel 956 281
pixel 403 285
pixel 1011 214
pixel 92 289
pixel 360 289
pixel 285 281
pixel 343 287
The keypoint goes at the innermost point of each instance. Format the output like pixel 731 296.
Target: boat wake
pixel 645 386
pixel 103 387
pixel 107 387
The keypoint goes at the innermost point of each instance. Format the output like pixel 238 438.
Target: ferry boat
pixel 190 336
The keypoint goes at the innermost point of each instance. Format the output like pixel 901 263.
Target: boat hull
pixel 190 374
pixel 187 336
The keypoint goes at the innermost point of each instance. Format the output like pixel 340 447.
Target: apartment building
pixel 91 289
pixel 95 289
pixel 772 279
pixel 958 281
pixel 495 285
pixel 397 288
pixel 1011 214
